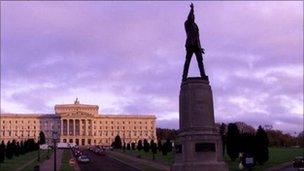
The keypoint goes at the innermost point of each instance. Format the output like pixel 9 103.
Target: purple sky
pixel 127 57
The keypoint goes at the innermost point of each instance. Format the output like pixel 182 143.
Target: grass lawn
pixel 276 156
pixel 67 155
pixel 168 159
pixel 19 161
pixel 43 157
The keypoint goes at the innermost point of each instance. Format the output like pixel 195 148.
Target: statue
pixel 193 45
pixel 76 101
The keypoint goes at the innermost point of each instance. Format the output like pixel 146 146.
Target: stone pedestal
pixel 198 146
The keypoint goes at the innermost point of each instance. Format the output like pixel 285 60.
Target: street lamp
pixel 55 137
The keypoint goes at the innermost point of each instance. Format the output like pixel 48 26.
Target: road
pixel 103 163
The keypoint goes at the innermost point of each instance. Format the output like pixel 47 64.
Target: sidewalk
pixel 137 163
pixel 48 165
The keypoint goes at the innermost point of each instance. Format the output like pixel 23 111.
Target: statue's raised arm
pixel 191 14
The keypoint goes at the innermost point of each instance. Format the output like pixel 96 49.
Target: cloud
pixel 127 57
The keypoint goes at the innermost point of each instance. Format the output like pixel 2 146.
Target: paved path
pixel 137 162
pixel 103 163
pixel 26 164
pixel 48 165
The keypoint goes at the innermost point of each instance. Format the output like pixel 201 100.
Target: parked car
pixel 298 162
pixel 84 159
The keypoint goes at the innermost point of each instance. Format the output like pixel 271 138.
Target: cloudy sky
pixel 127 57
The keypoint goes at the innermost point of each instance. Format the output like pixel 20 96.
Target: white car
pixel 84 159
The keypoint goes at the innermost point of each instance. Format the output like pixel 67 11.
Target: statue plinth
pixel 198 145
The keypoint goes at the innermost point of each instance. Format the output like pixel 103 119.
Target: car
pixel 102 152
pixel 83 159
pixel 298 162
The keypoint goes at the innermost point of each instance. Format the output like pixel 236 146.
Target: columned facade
pixel 80 124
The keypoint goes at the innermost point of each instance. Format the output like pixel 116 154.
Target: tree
pixel 233 136
pixel 133 145
pixel 164 133
pixel 146 146
pixel 261 151
pixel 17 152
pixel 164 150
pixel 159 145
pixel 139 145
pixel 153 148
pixel 9 152
pixel 22 150
pixel 14 148
pixel 2 152
pixel 41 138
pixel 223 136
pixel 168 145
pixel 124 146
pixel 117 144
pixel 128 146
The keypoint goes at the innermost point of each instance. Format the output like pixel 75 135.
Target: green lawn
pixel 168 159
pixel 19 161
pixel 276 156
pixel 43 156
pixel 67 155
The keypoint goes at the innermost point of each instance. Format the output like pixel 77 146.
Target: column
pixel 86 126
pixel 74 126
pixel 68 127
pixel 61 126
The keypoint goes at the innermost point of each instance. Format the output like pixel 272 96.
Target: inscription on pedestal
pixel 204 147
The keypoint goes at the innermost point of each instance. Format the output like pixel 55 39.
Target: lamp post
pixel 55 137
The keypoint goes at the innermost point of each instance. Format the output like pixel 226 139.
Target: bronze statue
pixel 193 45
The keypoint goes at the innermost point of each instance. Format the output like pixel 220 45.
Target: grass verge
pixel 276 156
pixel 65 166
pixel 43 156
pixel 16 162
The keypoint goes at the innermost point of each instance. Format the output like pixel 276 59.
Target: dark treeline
pixel 276 137
pixel 164 133
pixel 164 147
pixel 13 149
